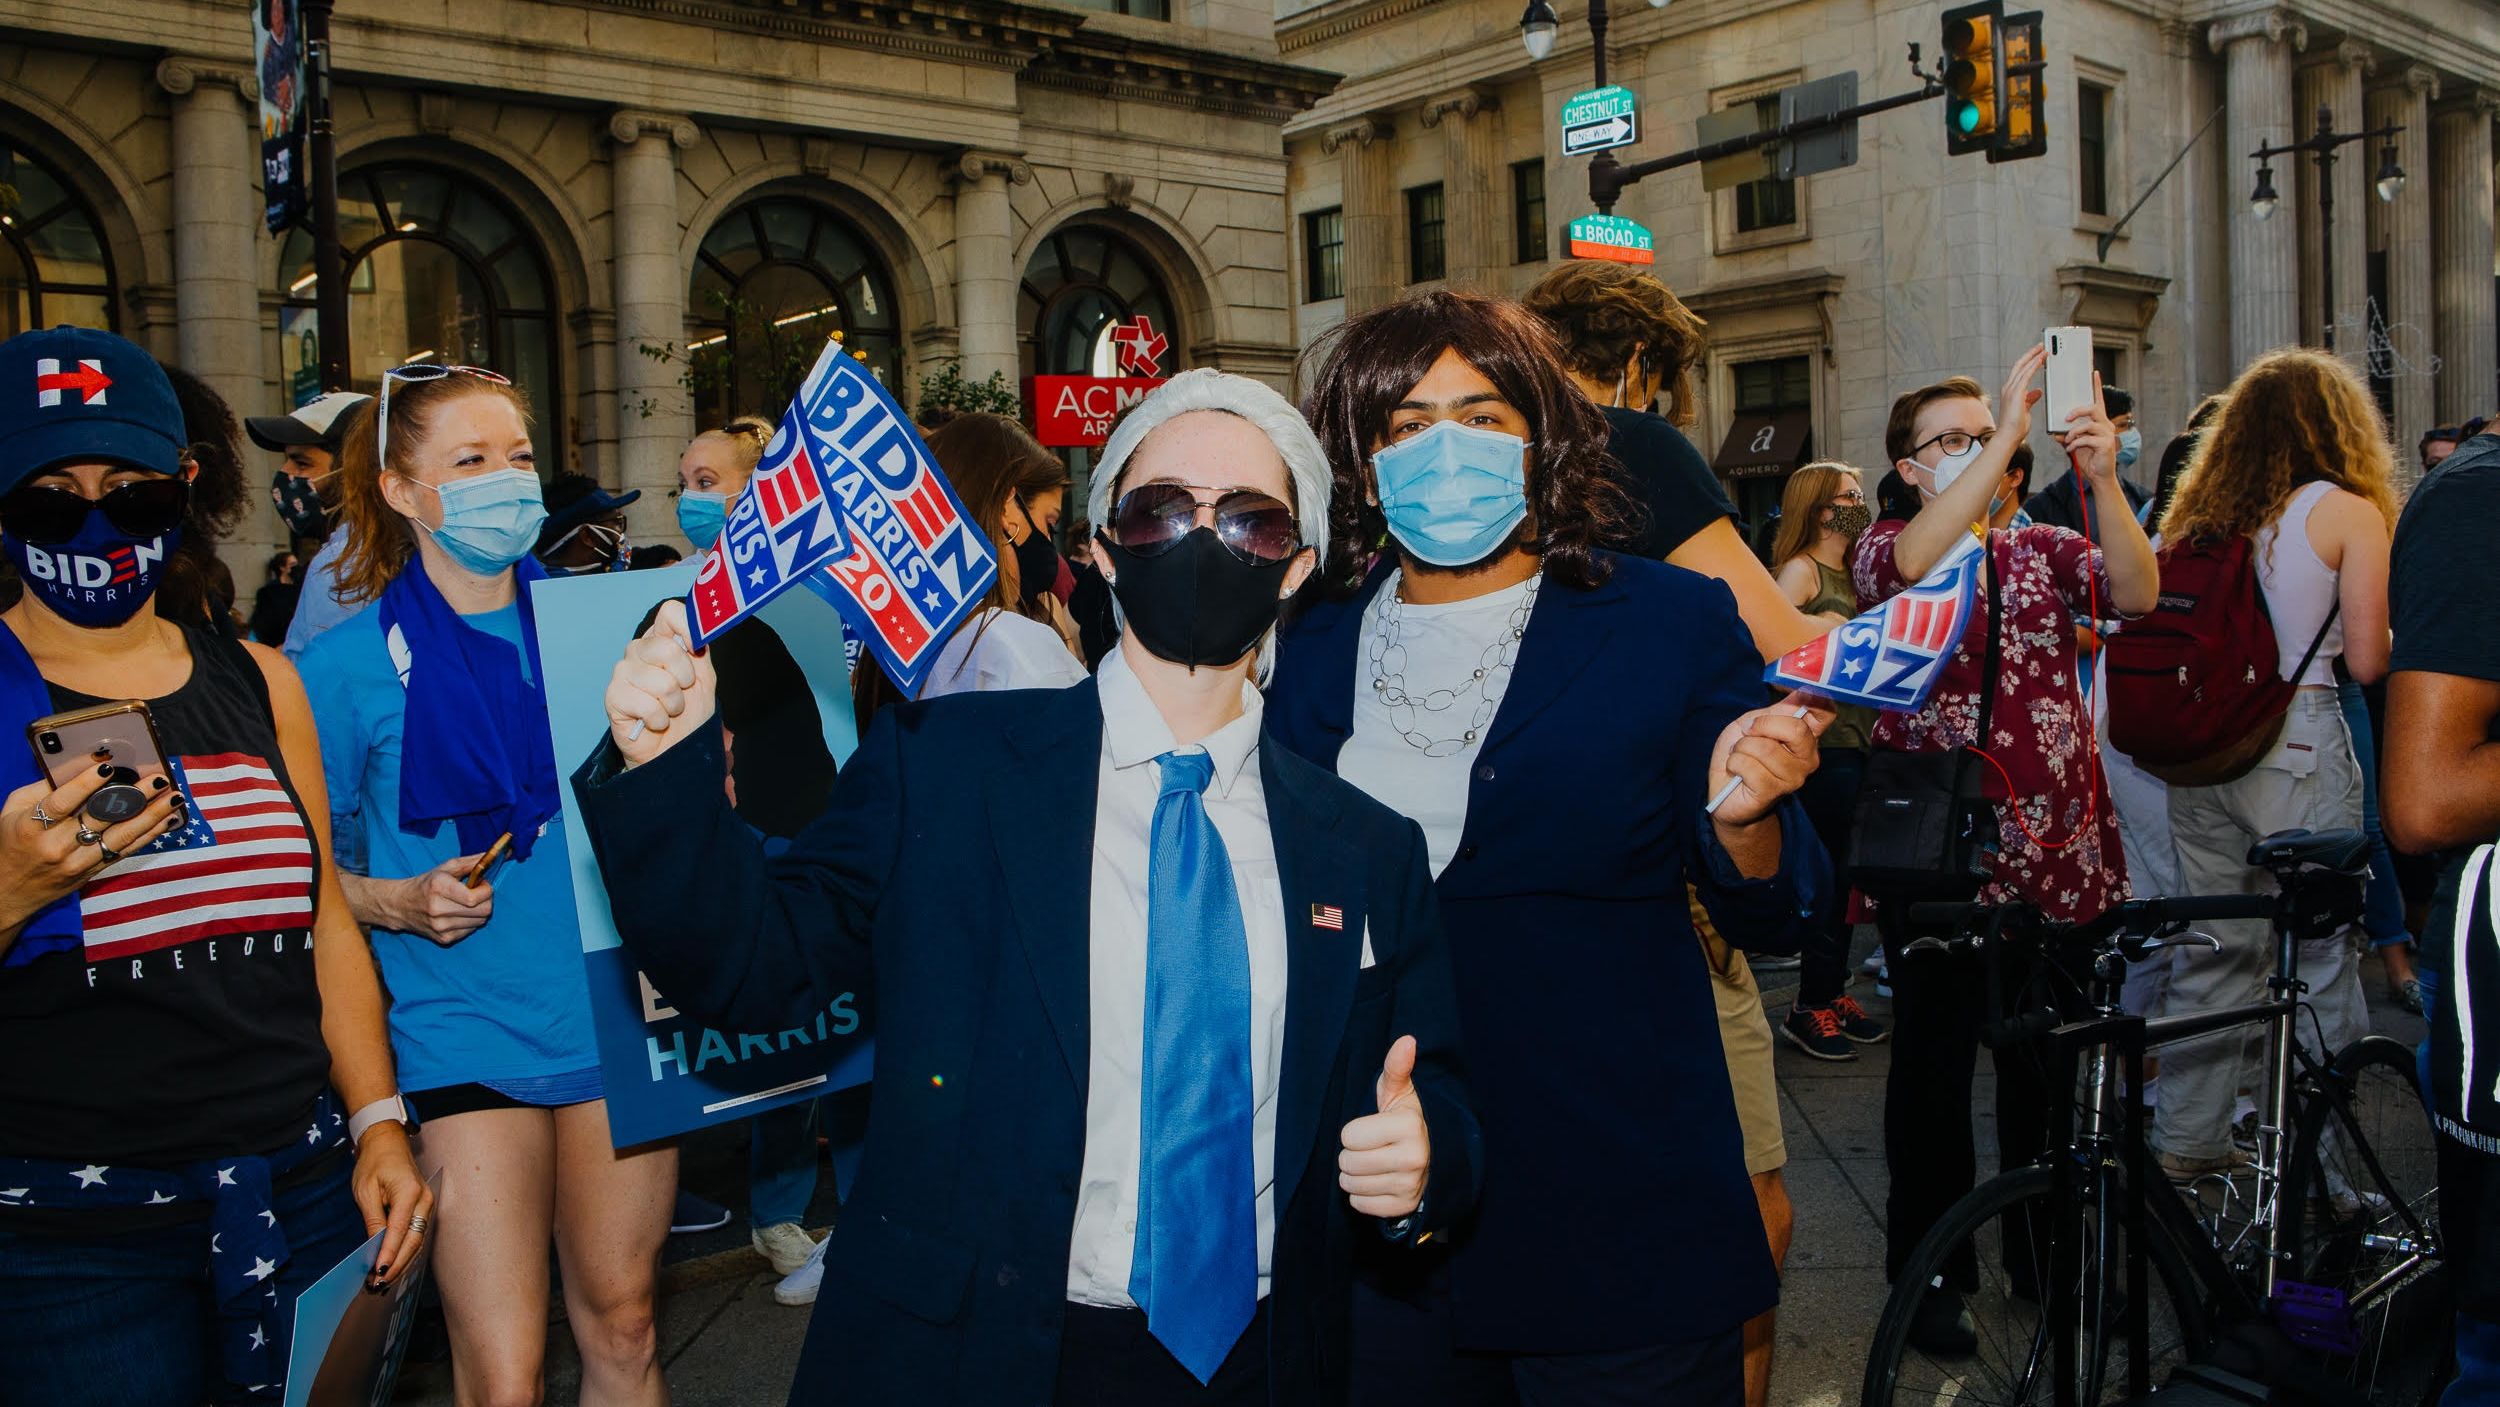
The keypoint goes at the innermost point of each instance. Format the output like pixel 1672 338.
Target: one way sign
pixel 1600 118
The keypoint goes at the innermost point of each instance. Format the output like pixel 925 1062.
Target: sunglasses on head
pixel 48 515
pixel 1151 519
pixel 420 371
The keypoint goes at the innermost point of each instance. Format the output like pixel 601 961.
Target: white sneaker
pixel 799 1286
pixel 786 1244
pixel 1874 962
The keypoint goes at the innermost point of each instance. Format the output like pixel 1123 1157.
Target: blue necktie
pixel 1196 1272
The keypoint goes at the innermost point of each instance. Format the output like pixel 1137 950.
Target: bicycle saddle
pixel 2343 851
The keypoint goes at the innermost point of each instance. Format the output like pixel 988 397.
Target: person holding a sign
pixel 1144 1082
pixel 1579 735
pixel 443 785
pixel 196 1118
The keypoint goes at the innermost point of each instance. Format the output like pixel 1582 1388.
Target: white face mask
pixel 1949 467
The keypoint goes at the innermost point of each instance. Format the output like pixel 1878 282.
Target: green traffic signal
pixel 1966 116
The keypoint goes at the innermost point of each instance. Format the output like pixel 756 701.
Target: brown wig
pixel 1374 359
pixel 379 541
pixel 2295 416
pixel 1604 313
pixel 1801 508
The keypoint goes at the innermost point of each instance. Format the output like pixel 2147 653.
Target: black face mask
pixel 1196 603
pixel 299 505
pixel 1037 562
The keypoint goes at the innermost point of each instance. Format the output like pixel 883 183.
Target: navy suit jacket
pixel 1593 1044
pixel 949 879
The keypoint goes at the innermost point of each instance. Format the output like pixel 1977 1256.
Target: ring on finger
pixel 89 837
pixel 416 1223
pixel 42 817
pixel 109 853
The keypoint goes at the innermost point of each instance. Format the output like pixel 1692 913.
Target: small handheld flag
pixel 1892 656
pixel 783 527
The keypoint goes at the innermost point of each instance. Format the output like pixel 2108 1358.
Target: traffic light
pixel 2022 129
pixel 1973 75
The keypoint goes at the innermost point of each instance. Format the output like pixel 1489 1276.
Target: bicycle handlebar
pixel 2133 916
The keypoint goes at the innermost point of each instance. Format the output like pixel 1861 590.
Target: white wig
pixel 1254 401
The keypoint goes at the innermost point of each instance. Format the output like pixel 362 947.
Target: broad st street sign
pixel 1611 237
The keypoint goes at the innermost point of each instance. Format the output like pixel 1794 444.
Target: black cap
pixel 315 422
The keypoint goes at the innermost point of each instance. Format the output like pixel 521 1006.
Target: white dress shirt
pixel 999 649
pixel 1133 736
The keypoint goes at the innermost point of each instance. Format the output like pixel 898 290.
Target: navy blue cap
pixel 72 395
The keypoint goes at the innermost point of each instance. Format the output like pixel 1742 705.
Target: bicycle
pixel 2324 1278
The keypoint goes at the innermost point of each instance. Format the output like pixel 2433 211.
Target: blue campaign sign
pixel 785 705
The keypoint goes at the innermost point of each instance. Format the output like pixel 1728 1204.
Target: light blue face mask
pixel 490 521
pixel 1453 494
pixel 701 516
pixel 2130 447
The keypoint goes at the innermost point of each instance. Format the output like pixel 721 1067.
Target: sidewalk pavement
pixel 725 1343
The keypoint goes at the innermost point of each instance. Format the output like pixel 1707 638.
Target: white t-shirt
pixel 1444 646
pixel 998 649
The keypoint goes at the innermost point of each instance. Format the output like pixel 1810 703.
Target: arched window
pixel 439 269
pixel 774 279
pixel 1081 284
pixel 54 268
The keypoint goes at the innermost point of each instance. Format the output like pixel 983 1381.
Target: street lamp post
pixel 1536 30
pixel 329 271
pixel 2321 145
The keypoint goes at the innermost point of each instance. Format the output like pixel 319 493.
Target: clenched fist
pixel 661 690
pixel 1386 1156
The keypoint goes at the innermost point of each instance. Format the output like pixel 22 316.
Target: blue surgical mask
pixel 2130 447
pixel 1453 494
pixel 701 516
pixel 99 578
pixel 490 521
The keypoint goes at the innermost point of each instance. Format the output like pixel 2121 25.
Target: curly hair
pixel 1374 359
pixel 1606 313
pixel 379 541
pixel 2294 417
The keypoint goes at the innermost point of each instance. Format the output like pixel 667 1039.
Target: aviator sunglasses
pixel 48 515
pixel 1151 519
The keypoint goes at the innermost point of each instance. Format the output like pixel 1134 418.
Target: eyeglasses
pixel 1151 519
pixel 1850 496
pixel 1953 442
pixel 49 515
pixel 421 371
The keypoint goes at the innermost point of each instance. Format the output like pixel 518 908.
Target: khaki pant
pixel 1745 1034
pixel 2309 780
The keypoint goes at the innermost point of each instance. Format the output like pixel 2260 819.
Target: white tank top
pixel 2299 588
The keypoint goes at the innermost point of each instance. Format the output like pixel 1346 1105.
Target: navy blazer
pixel 1593 1042
pixel 949 881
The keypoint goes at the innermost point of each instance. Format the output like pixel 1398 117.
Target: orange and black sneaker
pixel 1816 1031
pixel 1855 1023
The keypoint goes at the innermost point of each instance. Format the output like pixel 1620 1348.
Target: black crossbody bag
pixel 1924 826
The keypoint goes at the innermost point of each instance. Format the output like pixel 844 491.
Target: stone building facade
pixel 585 193
pixel 1440 156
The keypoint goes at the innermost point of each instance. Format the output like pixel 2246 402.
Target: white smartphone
pixel 2070 377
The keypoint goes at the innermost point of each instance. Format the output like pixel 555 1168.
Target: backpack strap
pixel 2314 642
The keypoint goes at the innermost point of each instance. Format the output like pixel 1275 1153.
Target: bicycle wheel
pixel 2014 1362
pixel 2361 1216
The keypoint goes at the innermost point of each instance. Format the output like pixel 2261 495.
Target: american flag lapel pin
pixel 1328 916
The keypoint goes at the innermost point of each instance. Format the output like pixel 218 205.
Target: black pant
pixel 1831 801
pixel 1939 1005
pixel 1108 1358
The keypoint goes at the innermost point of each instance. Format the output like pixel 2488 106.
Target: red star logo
pixel 1141 347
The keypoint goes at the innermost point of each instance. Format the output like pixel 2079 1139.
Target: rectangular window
pixel 2111 363
pixel 1427 252
pixel 1323 255
pixel 1769 387
pixel 2092 147
pixel 1770 202
pixel 1527 203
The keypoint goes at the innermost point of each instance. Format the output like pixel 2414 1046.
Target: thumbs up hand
pixel 1386 1156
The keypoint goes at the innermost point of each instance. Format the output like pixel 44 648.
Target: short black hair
pixel 2118 400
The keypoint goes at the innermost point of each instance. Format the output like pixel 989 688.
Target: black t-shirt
pixel 2060 505
pixel 1667 478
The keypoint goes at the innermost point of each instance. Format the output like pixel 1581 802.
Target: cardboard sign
pixel 348 1345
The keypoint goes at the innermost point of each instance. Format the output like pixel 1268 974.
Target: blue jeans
pixel 128 1320
pixel 781 1166
pixel 2383 918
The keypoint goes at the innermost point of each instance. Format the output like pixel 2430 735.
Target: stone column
pixel 654 417
pixel 985 257
pixel 2334 84
pixel 1367 156
pixel 2461 253
pixel 2257 51
pixel 1471 135
pixel 2404 356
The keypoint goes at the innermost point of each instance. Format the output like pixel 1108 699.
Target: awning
pixel 1763 445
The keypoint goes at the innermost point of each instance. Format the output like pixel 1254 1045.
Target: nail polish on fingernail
pixel 161 784
pixel 105 771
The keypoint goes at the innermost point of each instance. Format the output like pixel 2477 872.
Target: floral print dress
pixel 2058 842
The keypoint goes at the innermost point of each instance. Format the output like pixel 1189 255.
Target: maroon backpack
pixel 2196 688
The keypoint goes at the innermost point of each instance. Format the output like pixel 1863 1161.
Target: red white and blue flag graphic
pixel 1892 656
pixel 242 864
pixel 783 527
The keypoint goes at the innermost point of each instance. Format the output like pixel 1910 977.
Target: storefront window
pixel 53 265
pixel 774 279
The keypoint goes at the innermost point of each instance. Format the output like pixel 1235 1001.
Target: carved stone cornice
pixel 1361 132
pixel 970 166
pixel 1338 19
pixel 1463 103
pixel 2108 296
pixel 987 33
pixel 2422 79
pixel 2352 53
pixel 2469 99
pixel 1117 64
pixel 180 73
pixel 2270 25
pixel 630 125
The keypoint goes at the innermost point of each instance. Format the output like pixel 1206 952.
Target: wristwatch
pixel 392 1110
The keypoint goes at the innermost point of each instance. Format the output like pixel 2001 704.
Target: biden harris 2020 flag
pixel 1892 656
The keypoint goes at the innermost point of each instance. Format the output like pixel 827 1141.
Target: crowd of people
pixel 1316 958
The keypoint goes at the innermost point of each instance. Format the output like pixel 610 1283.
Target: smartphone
pixel 486 863
pixel 2070 376
pixel 119 735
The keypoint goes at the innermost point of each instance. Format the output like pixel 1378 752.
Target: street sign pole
pixel 329 268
